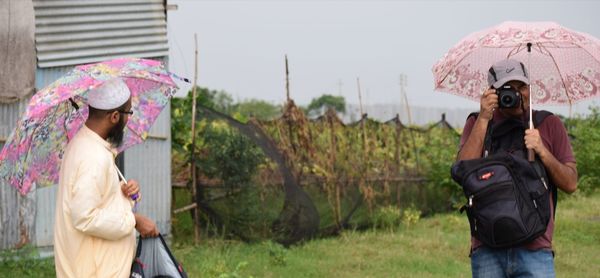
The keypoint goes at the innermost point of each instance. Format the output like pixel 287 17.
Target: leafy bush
pixel 387 217
pixel 228 155
pixel 440 153
pixel 586 133
pixel 277 254
pixel 410 216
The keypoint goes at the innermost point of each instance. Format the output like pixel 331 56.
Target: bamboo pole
pixel 287 79
pixel 331 178
pixel 365 155
pixel 403 84
pixel 186 208
pixel 288 107
pixel 362 120
pixel 193 164
pixel 403 92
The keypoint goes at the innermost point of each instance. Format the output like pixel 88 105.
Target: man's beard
pixel 116 133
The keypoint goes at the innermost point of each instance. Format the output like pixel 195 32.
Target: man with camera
pixel 507 101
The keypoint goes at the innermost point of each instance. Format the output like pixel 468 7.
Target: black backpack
pixel 508 197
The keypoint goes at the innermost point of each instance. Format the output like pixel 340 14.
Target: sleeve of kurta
pixel 86 212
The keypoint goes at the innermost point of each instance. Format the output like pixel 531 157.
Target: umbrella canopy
pixel 32 153
pixel 564 65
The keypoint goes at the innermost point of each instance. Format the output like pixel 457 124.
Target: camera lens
pixel 507 100
pixel 508 97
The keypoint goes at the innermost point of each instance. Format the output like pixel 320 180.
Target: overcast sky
pixel 242 44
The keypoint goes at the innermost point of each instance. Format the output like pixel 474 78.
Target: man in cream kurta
pixel 95 225
pixel 94 230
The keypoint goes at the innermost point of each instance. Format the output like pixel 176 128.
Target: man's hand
pixel 533 141
pixel 145 226
pixel 488 103
pixel 132 187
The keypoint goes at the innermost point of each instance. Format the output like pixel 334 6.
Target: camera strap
pixel 487 141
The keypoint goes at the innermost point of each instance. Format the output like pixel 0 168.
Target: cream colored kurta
pixel 94 233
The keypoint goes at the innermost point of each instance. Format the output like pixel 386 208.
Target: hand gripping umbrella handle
pixel 134 196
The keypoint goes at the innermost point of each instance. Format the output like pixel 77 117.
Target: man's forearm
pixel 564 176
pixel 474 144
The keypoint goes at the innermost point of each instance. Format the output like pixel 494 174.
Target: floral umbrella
pixel 31 156
pixel 564 65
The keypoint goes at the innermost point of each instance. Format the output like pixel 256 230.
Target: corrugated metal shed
pixel 76 32
pixel 79 32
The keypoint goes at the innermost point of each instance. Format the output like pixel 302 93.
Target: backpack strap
pixel 539 116
pixel 138 250
pixel 473 114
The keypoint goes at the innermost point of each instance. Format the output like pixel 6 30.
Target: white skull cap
pixel 110 95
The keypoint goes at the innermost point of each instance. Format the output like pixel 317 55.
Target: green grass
pixel 434 247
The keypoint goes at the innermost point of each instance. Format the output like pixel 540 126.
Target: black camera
pixel 508 97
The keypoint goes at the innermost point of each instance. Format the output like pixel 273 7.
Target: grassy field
pixel 434 247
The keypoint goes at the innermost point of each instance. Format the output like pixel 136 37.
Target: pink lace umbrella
pixel 31 156
pixel 564 65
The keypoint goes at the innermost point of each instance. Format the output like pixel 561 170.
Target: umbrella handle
pixel 530 152
pixel 134 196
pixel 530 155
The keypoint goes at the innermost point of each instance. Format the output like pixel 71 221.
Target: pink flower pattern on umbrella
pixel 564 65
pixel 32 154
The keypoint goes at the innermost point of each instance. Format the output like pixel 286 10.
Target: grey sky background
pixel 242 44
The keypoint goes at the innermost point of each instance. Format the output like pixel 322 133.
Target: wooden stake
pixel 287 79
pixel 412 135
pixel 359 97
pixel 362 119
pixel 193 170
pixel 367 189
pixel 403 93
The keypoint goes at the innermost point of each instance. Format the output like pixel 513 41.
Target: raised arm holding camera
pixel 501 127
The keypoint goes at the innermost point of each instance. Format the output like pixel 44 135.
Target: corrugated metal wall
pixel 79 32
pixel 150 164
pixel 17 223
pixel 46 197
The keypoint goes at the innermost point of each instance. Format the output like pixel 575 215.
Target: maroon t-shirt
pixel 555 138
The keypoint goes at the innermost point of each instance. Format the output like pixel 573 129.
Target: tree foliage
pixel 586 135
pixel 323 103
pixel 258 109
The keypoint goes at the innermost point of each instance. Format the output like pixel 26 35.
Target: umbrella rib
pixel 515 50
pixel 134 132
pixel 559 72
pixel 586 51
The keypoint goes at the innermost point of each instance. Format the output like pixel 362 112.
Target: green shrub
pixel 277 254
pixel 439 153
pixel 410 216
pixel 586 132
pixel 387 217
